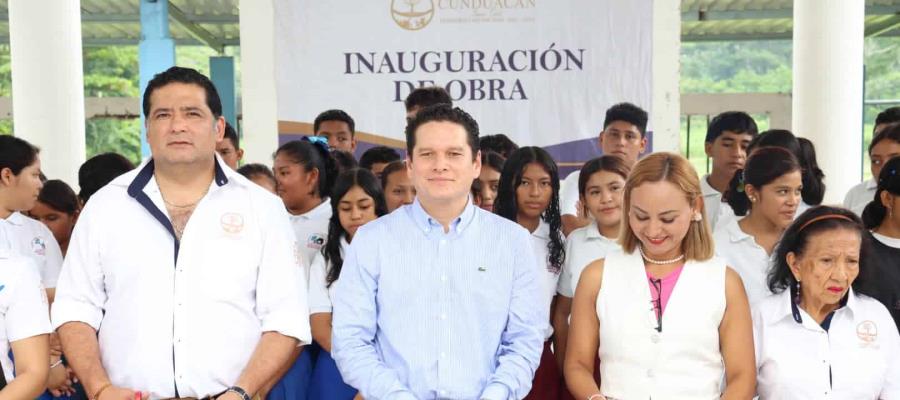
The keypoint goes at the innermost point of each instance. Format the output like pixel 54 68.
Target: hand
pixel 60 381
pixel 117 393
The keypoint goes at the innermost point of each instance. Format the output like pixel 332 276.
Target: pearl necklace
pixel 659 262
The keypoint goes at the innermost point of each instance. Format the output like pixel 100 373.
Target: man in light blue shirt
pixel 439 299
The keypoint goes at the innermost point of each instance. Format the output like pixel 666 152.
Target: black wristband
pixel 240 391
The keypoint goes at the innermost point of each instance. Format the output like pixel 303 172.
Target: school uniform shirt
pixel 420 313
pixel 859 196
pixel 33 239
pixel 568 194
pixel 549 279
pixel 741 252
pixel 712 200
pixel 23 305
pixel 311 229
pixel 320 295
pixel 884 260
pixel 583 246
pixel 182 318
pixel 854 354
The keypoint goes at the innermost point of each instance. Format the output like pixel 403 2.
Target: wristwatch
pixel 240 391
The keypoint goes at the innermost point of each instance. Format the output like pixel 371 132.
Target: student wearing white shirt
pixel 624 135
pixel 356 200
pixel 601 186
pixel 882 217
pixel 820 337
pixel 767 194
pixel 20 185
pixel 727 138
pixel 529 195
pixel 181 278
pixel 24 328
pixel 666 317
pixel 885 145
pixel 813 177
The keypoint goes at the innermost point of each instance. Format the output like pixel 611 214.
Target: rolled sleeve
pixel 80 291
pixel 495 391
pixel 566 284
pixel 281 299
pixel 354 324
pixel 521 343
pixel 319 301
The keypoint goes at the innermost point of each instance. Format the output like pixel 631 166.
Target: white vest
pixel 681 362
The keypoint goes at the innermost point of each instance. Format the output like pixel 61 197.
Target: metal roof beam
pixel 136 18
pixel 195 30
pixel 891 24
pixel 781 13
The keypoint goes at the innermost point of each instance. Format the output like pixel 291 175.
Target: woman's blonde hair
pixel 675 169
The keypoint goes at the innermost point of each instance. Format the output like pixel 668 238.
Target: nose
pixel 355 213
pixel 841 273
pixel 535 190
pixel 410 196
pixel 606 196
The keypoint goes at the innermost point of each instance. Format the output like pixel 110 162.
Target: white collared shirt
pixel 857 358
pixel 583 246
pixel 23 305
pixel 741 252
pixel 182 319
pixel 859 196
pixel 712 201
pixel 311 230
pixel 887 240
pixel 568 194
pixel 321 295
pixel 549 279
pixel 33 239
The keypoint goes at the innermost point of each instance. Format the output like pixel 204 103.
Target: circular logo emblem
pixel 232 222
pixel 412 15
pixel 867 331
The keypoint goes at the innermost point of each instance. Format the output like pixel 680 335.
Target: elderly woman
pixel 818 337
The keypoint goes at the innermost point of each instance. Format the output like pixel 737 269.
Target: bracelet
pixel 102 388
pixel 56 364
pixel 240 391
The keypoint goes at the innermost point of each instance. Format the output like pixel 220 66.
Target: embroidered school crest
pixel 232 222
pixel 315 241
pixel 38 246
pixel 867 332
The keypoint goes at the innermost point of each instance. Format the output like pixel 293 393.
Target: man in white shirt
pixel 882 148
pixel 623 135
pixel 727 138
pixel 182 279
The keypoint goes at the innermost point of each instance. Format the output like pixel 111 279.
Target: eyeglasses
pixel 656 304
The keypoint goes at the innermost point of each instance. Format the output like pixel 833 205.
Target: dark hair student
pixel 764 166
pixel 813 177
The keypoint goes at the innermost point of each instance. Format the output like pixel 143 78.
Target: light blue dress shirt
pixel 424 314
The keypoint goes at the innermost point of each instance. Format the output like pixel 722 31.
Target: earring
pixel 697 217
pixel 753 199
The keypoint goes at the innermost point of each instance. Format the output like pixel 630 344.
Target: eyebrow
pixel 662 213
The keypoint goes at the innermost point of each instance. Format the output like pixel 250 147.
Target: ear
pixel 240 154
pixel 477 163
pixel 707 147
pixel 696 209
pixel 643 145
pixel 6 176
pixel 794 264
pixel 353 143
pixel 887 199
pixel 751 190
pixel 312 176
pixel 219 126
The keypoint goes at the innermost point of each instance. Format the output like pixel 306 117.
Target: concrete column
pixel 665 116
pixel 258 87
pixel 828 87
pixel 156 52
pixel 48 82
pixel 221 72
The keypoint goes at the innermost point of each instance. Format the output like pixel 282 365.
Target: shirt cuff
pixel 288 324
pixel 320 310
pixel 495 391
pixel 64 311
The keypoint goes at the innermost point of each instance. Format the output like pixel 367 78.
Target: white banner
pixel 541 71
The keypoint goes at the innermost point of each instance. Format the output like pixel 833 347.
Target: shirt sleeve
pixel 522 341
pixel 568 194
pixel 891 388
pixel 566 284
pixel 354 323
pixel 53 258
pixel 81 292
pixel 319 302
pixel 26 314
pixel 281 297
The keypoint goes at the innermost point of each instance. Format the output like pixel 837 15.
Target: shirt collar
pixel 321 211
pixel 871 184
pixel 16 218
pixel 145 175
pixel 426 223
pixel 786 309
pixel 706 188
pixel 542 231
pixel 735 233
pixel 593 232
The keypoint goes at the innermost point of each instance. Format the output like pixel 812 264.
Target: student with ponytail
pixel 528 194
pixel 767 193
pixel 882 218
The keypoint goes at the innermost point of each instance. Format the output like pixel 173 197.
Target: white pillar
pixel 665 118
pixel 258 89
pixel 828 87
pixel 48 82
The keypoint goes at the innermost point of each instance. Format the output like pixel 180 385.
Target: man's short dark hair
pixel 889 116
pixel 232 135
pixel 733 121
pixel 334 115
pixel 378 154
pixel 427 96
pixel 499 143
pixel 443 113
pixel 99 170
pixel 184 75
pixel 629 113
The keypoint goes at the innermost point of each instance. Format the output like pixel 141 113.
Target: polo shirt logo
pixel 315 241
pixel 38 246
pixel 867 332
pixel 232 222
